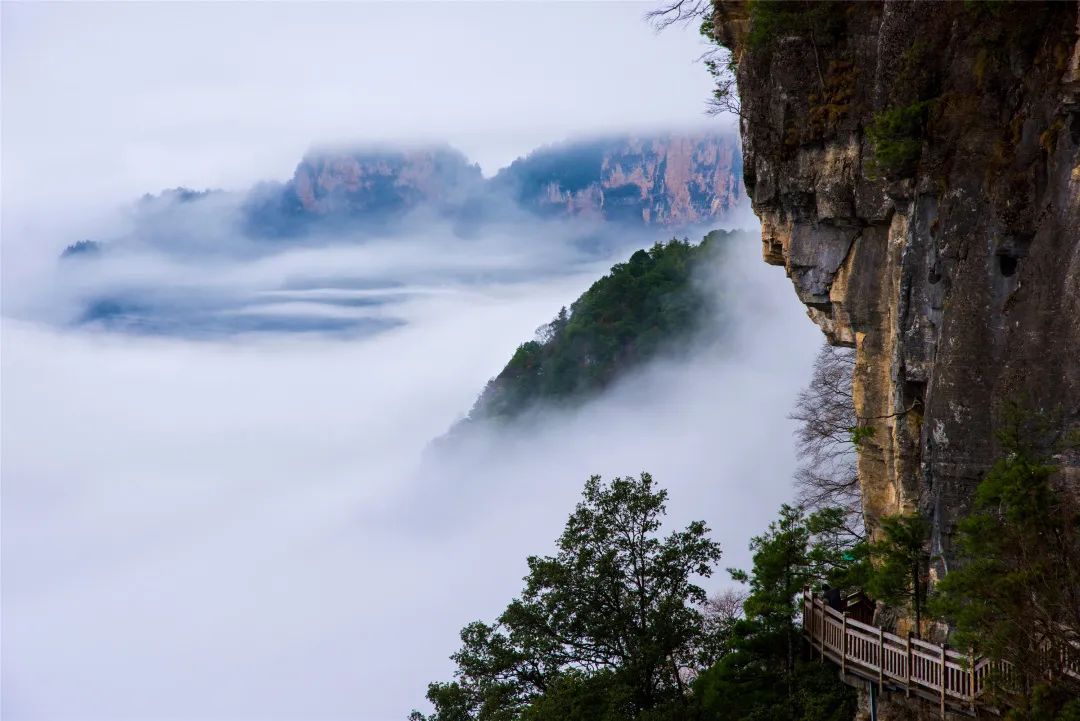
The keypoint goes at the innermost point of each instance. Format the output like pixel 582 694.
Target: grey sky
pixel 103 101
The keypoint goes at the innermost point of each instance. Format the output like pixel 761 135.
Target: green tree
pixel 1015 595
pixel 900 572
pixel 763 676
pixel 616 608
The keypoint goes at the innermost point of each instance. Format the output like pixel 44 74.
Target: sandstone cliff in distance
pixel 670 180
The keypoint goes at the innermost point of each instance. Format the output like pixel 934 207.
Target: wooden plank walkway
pixel 955 680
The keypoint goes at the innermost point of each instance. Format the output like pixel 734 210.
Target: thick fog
pixel 252 528
pixel 227 505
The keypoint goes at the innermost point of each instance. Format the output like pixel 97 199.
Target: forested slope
pixel 654 302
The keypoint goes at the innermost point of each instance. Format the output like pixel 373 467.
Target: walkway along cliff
pixel 955 680
pixel 915 170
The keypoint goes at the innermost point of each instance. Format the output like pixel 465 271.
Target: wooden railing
pixel 932 671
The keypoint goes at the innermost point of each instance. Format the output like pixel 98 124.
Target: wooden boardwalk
pixel 955 680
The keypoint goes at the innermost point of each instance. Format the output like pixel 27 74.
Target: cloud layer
pixel 246 529
pixel 205 525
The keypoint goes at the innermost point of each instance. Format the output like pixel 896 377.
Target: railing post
pixel 944 668
pixel 907 666
pixel 821 633
pixel 808 617
pixel 971 677
pixel 880 660
pixel 843 647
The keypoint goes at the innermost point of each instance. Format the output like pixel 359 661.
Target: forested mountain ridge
pixel 651 303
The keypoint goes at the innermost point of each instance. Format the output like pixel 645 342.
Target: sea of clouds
pixel 223 503
pixel 253 524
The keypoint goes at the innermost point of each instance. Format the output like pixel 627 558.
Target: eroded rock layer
pixel 670 180
pixel 915 169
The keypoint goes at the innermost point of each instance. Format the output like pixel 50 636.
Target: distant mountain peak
pixel 669 180
pixel 379 178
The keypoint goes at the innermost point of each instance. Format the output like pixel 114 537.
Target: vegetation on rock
pixel 1016 594
pixel 615 627
pixel 896 135
pixel 647 305
pixel 901 573
pixel 773 19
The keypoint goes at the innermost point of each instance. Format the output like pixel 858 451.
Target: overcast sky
pixel 106 101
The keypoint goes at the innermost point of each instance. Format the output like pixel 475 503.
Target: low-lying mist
pixel 254 526
pixel 186 269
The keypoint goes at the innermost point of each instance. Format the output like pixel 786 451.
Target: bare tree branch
pixel 718 60
pixel 678 12
pixel 825 411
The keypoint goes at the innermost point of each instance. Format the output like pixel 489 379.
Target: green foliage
pixel 576 696
pixel 647 304
pixel 1020 570
pixel 796 551
pixel 896 135
pixel 610 628
pixel 747 685
pixel 763 676
pixel 771 19
pixel 860 434
pixel 900 573
pixel 601 629
pixel 1049 702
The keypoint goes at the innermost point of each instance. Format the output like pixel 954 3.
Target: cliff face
pixel 664 180
pixel 915 170
pixel 673 180
pixel 382 180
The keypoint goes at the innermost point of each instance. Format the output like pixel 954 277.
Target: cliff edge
pixel 915 169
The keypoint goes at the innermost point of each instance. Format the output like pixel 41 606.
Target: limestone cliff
pixel 915 170
pixel 671 180
pixel 382 180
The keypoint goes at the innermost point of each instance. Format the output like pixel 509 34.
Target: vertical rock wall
pixel 947 255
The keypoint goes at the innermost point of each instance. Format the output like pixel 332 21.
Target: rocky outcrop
pixel 915 169
pixel 670 180
pixel 382 180
pixel 673 180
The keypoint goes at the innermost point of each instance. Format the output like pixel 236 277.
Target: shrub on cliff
pixel 822 21
pixel 896 136
pixel 1016 594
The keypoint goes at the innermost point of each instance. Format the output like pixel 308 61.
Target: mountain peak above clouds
pixel 669 180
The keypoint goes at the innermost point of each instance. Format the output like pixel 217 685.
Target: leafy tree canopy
pixel 763 675
pixel 614 626
pixel 1015 596
pixel 604 626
